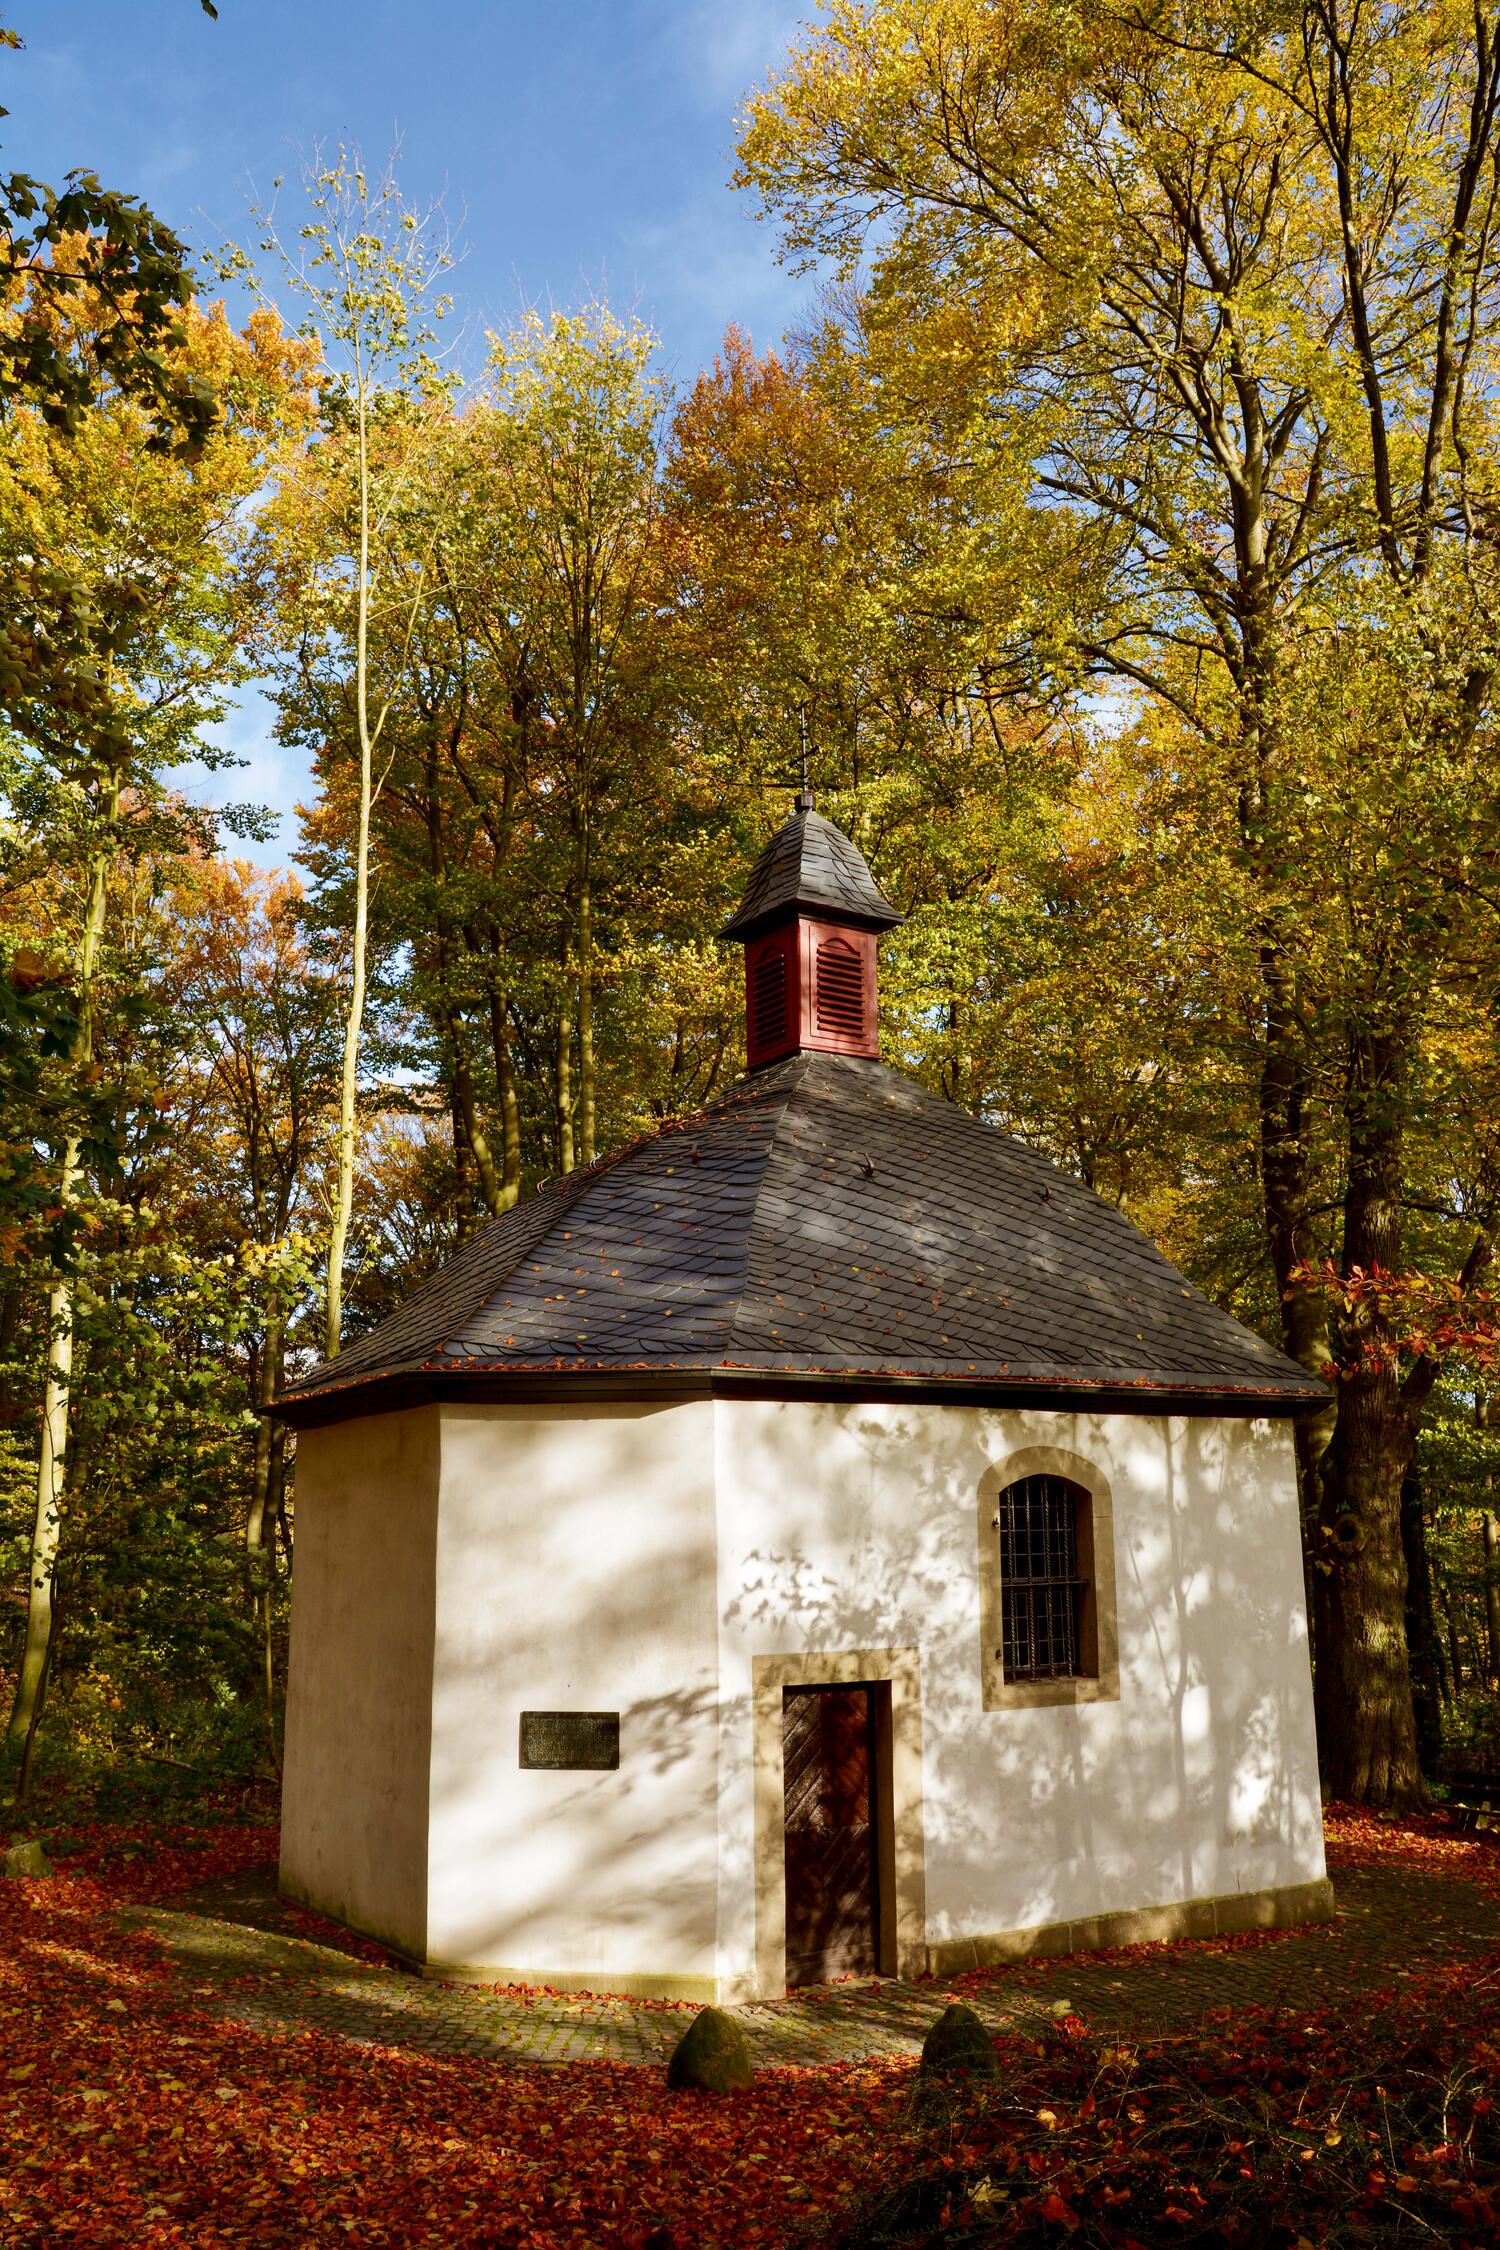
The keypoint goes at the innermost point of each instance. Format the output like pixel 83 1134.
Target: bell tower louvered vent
pixel 839 989
pixel 768 998
pixel 809 922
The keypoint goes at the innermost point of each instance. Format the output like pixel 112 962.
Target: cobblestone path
pixel 234 1950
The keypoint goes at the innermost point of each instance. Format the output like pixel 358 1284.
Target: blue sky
pixel 584 145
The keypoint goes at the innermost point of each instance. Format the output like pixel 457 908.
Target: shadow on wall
pixel 1201 1780
pixel 1197 1782
pixel 588 1584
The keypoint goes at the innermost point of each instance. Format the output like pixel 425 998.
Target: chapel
pixel 820 1537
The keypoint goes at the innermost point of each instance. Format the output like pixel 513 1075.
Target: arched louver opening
pixel 839 989
pixel 768 1001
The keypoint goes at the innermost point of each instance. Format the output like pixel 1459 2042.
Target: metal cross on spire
pixel 804 794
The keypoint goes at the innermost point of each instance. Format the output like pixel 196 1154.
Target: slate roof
pixel 810 863
pixel 827 1220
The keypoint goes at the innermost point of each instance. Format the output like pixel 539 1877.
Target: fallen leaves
pixel 139 2117
pixel 1263 2132
pixel 151 2122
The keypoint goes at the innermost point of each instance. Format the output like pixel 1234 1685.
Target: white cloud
pixel 726 47
pixel 711 264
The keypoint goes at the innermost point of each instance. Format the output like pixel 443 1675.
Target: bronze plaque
pixel 571 1741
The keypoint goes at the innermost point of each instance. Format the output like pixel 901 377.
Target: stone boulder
pixel 958 2046
pixel 26 1862
pixel 711 2055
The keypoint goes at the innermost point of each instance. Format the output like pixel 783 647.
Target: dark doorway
pixel 829 1745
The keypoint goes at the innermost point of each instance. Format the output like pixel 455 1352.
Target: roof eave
pixel 746 926
pixel 1104 1393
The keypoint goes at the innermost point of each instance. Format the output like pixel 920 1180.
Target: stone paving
pixel 236 1949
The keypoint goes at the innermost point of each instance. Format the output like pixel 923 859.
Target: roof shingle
pixel 828 1217
pixel 810 864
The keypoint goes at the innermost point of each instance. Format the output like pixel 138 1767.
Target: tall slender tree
pixel 368 271
pixel 129 621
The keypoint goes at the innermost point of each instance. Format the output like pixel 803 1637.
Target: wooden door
pixel 832 1884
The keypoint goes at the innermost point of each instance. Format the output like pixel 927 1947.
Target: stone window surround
pixel 1096 1563
pixel 898 1781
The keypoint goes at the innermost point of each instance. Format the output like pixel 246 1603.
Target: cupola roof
pixel 828 1227
pixel 812 867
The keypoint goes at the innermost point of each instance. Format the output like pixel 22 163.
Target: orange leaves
pixel 147 2117
pixel 140 2114
pixel 1387 1315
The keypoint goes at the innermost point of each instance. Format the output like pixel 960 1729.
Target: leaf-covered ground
pixel 132 2115
pixel 1365 2126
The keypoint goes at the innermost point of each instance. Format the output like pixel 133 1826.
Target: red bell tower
pixel 809 922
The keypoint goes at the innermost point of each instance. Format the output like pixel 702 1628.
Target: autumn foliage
pixel 138 2116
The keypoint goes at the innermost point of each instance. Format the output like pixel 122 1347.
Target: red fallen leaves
pixel 133 2118
pixel 1418 1841
pixel 136 2119
pixel 1260 2133
pixel 1373 2126
pixel 1263 2133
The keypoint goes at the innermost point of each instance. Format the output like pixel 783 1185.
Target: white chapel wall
pixel 354 1794
pixel 854 1527
pixel 576 1572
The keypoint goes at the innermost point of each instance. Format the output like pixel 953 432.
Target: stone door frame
pixel 898 1785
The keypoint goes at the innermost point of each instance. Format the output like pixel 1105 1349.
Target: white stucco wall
pixel 355 1772
pixel 457 1566
pixel 845 1527
pixel 576 1571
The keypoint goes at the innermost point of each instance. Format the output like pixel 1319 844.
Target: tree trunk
pixel 460 1165
pixel 564 1077
pixel 585 1024
pixel 1455 1646
pixel 1421 1632
pixel 52 1466
pixel 278 1495
pixel 467 1108
pixel 38 1706
pixel 267 1375
pixel 343 1201
pixel 1492 1595
pixel 510 1108
pixel 47 1526
pixel 1290 1239
pixel 1440 1660
pixel 1367 1736
pixel 260 1520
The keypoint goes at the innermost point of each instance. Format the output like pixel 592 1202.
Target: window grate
pixel 839 995
pixel 768 999
pixel 1041 1593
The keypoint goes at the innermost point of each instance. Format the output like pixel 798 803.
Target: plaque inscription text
pixel 571 1741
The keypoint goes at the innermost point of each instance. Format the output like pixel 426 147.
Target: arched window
pixel 1043 1527
pixel 1048 1633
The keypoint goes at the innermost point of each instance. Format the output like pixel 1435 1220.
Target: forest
pixel 1117 540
